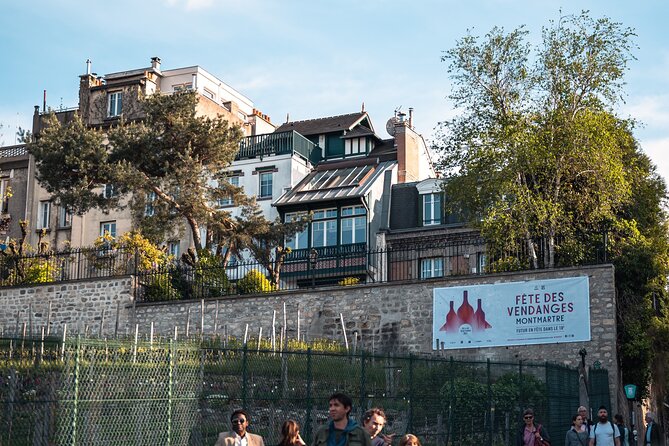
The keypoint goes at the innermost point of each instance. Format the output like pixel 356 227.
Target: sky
pixel 305 58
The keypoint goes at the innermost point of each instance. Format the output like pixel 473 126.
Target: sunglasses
pixel 528 417
pixel 238 421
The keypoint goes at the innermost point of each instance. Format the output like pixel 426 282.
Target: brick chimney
pixel 408 151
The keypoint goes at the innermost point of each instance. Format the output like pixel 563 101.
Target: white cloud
pixel 191 5
pixel 650 110
pixel 658 151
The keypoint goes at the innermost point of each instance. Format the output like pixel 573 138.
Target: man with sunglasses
pixel 530 433
pixel 238 436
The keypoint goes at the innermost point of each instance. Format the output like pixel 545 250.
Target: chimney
pixel 88 67
pixel 407 142
pixel 411 117
pixel 155 63
pixel 194 82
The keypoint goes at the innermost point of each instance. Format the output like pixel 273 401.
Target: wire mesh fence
pixel 126 392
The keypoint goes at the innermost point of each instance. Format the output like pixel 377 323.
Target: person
pixel 604 432
pixel 528 432
pixel 576 436
pixel 587 423
pixel 238 436
pixel 342 430
pixel 290 434
pixel 624 432
pixel 373 421
pixel 409 440
pixel 653 435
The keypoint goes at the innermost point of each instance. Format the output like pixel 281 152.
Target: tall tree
pixel 172 160
pixel 535 151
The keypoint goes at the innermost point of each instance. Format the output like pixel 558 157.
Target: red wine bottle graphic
pixel 452 321
pixel 480 323
pixel 466 311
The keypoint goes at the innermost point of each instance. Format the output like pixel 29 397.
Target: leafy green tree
pixel 172 158
pixel 535 151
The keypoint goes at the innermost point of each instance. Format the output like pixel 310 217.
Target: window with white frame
pixel 44 215
pixel 266 180
pixel 114 104
pixel 108 227
pixel 108 190
pixel 4 195
pixel 208 93
pixel 183 87
pixel 228 201
pixel 149 209
pixel 173 249
pixel 64 217
pixel 324 228
pixel 431 267
pixel 301 239
pixel 353 225
pixel 355 146
pixel 431 209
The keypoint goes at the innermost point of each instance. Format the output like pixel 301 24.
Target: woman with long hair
pixel 290 434
pixel 409 440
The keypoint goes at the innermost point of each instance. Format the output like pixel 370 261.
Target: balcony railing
pixel 282 143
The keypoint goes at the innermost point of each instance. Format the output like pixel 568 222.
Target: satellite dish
pixel 390 125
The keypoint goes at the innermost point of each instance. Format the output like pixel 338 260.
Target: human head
pixel 583 412
pixel 650 417
pixel 373 421
pixel 289 431
pixel 577 421
pixel 603 414
pixel 239 420
pixel 618 419
pixel 528 416
pixel 409 440
pixel 340 405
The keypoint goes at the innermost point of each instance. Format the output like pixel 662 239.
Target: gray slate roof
pixel 320 126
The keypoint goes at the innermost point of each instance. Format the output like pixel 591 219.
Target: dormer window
pixel 114 104
pixel 355 146
pixel 432 209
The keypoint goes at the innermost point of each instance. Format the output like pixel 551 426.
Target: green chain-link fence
pixel 168 393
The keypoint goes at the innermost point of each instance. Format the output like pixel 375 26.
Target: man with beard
pixel 341 430
pixel 373 421
pixel 238 436
pixel 604 433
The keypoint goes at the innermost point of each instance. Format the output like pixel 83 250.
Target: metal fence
pixel 122 392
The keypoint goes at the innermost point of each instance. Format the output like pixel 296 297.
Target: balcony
pixel 281 143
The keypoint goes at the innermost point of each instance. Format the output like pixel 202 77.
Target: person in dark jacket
pixel 529 433
pixel 653 435
pixel 342 430
pixel 576 436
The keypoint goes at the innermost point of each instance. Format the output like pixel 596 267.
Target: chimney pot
pixel 155 63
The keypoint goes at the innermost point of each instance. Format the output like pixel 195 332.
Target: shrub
pixel 160 288
pixel 211 279
pixel 254 282
pixel 348 281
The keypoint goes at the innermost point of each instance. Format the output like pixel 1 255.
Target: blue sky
pixel 306 58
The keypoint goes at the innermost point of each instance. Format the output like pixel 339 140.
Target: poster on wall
pixel 513 313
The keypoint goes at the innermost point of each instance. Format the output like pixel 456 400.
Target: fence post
pixel 170 390
pixel 449 432
pixel 76 390
pixel 244 374
pixel 307 420
pixel 363 377
pixel 410 423
pixel 520 386
pixel 490 404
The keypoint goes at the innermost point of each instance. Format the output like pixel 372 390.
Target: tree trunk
pixel 531 251
pixel 195 230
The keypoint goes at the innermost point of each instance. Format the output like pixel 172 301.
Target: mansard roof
pixel 330 124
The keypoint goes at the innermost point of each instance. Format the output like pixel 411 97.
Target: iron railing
pixel 281 143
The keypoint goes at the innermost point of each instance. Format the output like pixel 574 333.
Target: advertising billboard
pixel 512 313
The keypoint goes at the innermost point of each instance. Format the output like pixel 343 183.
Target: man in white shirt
pixel 238 436
pixel 604 433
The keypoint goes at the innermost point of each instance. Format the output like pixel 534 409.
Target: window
pixel 208 93
pixel 64 217
pixel 301 239
pixel 433 267
pixel 431 209
pixel 355 146
pixel 265 184
pixel 227 201
pixel 173 249
pixel 108 227
pixel 183 87
pixel 114 104
pixel 108 191
pixel 5 192
pixel 353 225
pixel 324 228
pixel 149 210
pixel 44 215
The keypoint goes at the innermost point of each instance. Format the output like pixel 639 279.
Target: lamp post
pixel 313 259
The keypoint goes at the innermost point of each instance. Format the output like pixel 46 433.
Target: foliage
pixel 172 157
pixel 23 264
pixel 348 281
pixel 211 279
pixel 160 288
pixel 146 255
pixel 254 282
